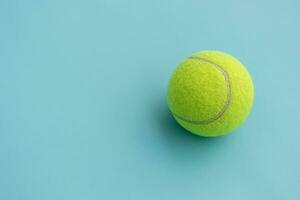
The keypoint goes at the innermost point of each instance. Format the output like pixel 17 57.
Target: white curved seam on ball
pixel 227 102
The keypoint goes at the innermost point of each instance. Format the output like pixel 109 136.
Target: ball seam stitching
pixel 226 104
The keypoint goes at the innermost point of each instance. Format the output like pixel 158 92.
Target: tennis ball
pixel 210 93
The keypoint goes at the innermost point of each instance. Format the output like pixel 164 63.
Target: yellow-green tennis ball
pixel 210 93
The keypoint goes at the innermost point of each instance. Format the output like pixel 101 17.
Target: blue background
pixel 83 112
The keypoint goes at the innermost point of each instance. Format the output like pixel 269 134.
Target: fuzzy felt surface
pixel 197 91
